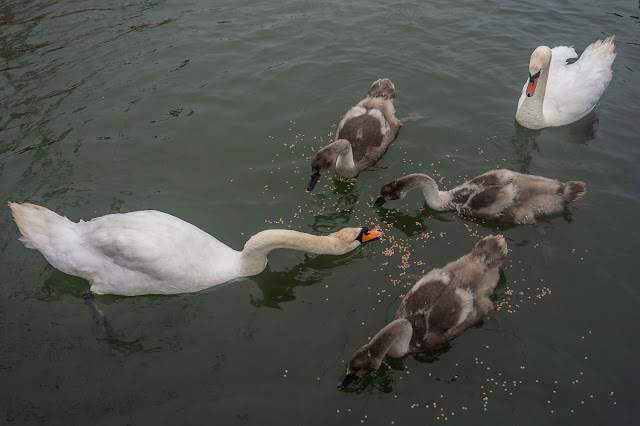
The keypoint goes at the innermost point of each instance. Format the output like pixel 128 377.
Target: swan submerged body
pixel 438 308
pixel 150 252
pixel 501 195
pixel 363 135
pixel 558 93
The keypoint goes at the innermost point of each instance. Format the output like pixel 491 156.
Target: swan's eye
pixel 363 231
pixel 533 77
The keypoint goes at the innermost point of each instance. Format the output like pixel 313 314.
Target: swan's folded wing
pixel 574 89
pixel 152 243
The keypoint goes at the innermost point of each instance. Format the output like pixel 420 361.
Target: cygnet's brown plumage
pixel 363 135
pixel 439 307
pixel 496 195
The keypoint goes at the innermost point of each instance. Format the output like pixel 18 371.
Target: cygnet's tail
pixel 39 226
pixel 382 88
pixel 572 191
pixel 491 249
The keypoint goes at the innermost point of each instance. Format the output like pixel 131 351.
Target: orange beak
pixel 531 87
pixel 371 235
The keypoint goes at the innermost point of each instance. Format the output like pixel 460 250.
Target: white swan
pixel 363 135
pixel 439 307
pixel 558 93
pixel 150 252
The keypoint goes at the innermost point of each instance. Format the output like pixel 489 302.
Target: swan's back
pixel 143 252
pixel 574 89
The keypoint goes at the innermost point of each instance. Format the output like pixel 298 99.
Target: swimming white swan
pixel 558 93
pixel 150 252
pixel 439 307
pixel 496 195
pixel 363 135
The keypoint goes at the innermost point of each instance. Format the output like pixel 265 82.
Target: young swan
pixel 558 93
pixel 363 135
pixel 150 252
pixel 439 307
pixel 496 195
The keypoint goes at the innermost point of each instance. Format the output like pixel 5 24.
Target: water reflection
pixel 412 224
pixel 525 144
pixel 278 286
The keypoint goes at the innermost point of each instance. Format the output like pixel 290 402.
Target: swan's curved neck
pixel 392 340
pixel 345 166
pixel 436 199
pixel 531 110
pixel 254 254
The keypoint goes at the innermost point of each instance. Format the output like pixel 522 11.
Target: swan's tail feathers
pixel 38 225
pixel 492 250
pixel 572 191
pixel 382 88
pixel 604 49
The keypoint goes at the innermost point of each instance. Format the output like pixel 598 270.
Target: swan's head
pixel 348 239
pixel 362 363
pixel 540 60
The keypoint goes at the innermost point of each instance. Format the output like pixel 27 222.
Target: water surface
pixel 211 112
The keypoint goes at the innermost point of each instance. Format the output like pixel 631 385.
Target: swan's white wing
pixel 573 90
pixel 155 244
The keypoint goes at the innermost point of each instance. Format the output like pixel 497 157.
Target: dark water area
pixel 212 112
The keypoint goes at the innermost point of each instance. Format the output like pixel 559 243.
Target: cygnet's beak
pixel 313 181
pixel 380 201
pixel 348 380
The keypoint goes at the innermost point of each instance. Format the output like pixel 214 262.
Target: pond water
pixel 212 111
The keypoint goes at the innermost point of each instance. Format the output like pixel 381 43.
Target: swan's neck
pixel 436 199
pixel 345 166
pixel 531 110
pixel 254 254
pixel 393 340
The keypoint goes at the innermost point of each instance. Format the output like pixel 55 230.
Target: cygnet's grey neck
pixel 345 166
pixel 392 340
pixel 436 199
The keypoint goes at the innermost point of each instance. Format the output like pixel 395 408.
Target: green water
pixel 210 111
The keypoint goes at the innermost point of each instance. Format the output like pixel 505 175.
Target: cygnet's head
pixel 362 363
pixel 324 159
pixel 395 190
pixel 348 239
pixel 540 60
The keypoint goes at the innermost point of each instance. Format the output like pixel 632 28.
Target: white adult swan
pixel 439 307
pixel 150 252
pixel 558 93
pixel 363 135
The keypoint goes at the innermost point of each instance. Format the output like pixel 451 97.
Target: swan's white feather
pixel 573 90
